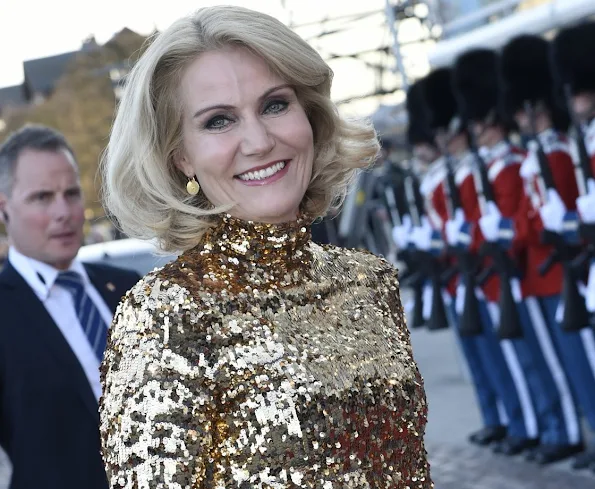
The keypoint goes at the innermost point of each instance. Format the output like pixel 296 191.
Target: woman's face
pixel 245 136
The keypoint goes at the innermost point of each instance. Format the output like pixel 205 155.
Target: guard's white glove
pixel 490 222
pixel 401 233
pixel 421 236
pixel 552 214
pixel 586 204
pixel 453 227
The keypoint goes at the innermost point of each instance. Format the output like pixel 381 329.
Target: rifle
pixel 398 209
pixel 427 263
pixel 471 323
pixel 576 316
pixel 510 323
pixel 416 211
pixel 383 208
pixel 583 165
pixel 414 197
pixel 583 171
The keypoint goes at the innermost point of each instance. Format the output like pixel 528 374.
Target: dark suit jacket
pixel 49 421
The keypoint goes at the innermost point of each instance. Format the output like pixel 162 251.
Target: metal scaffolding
pixel 406 29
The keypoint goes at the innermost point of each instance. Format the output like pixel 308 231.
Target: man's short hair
pixel 31 136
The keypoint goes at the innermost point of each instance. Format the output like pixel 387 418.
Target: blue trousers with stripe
pixel 514 362
pixel 577 354
pixel 487 398
pixel 491 377
pixel 550 390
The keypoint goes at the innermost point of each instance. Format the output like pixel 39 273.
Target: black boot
pixel 584 460
pixel 547 454
pixel 488 435
pixel 512 445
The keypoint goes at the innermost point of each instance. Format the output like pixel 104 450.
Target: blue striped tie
pixel 87 312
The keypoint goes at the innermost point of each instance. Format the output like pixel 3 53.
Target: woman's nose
pixel 257 139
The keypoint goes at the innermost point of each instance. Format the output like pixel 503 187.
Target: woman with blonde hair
pixel 257 359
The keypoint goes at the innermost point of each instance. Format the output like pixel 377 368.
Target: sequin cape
pixel 262 360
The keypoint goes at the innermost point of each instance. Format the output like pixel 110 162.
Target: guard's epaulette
pixel 510 158
pixel 515 156
pixel 434 176
pixel 552 142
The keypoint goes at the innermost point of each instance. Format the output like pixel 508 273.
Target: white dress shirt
pixel 60 305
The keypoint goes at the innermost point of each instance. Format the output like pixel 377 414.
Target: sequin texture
pixel 262 360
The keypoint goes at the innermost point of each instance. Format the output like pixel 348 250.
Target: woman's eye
pixel 276 106
pixel 218 122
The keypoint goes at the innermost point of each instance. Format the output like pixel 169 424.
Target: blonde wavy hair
pixel 142 188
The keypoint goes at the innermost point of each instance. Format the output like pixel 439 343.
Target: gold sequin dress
pixel 262 360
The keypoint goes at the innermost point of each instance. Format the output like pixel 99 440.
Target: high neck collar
pixel 239 253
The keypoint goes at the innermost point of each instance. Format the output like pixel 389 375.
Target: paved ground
pixel 456 464
pixel 466 467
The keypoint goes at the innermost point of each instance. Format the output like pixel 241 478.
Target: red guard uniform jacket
pixel 465 184
pixel 528 224
pixel 433 192
pixel 504 164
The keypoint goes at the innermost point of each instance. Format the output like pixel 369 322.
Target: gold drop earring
pixel 192 187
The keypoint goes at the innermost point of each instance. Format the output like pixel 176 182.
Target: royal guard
pixel 571 57
pixel 574 73
pixel 423 149
pixel 502 192
pixel 493 363
pixel 421 237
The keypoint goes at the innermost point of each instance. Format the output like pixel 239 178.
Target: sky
pixel 36 28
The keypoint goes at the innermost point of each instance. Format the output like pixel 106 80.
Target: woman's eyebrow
pixel 200 112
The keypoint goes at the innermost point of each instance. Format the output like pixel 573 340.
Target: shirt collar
pixel 499 150
pixel 41 276
pixel 548 135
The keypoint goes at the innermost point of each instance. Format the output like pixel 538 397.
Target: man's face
pixel 480 130
pixel 425 153
pixel 44 214
pixel 584 106
pixel 524 122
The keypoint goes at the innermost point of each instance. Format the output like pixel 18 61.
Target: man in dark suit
pixel 55 316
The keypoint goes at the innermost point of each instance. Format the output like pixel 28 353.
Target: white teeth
pixel 264 173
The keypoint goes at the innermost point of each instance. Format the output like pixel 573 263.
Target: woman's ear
pixel 182 163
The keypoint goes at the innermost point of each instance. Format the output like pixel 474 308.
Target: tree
pixel 82 107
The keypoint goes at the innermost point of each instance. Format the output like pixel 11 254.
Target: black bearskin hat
pixel 526 76
pixel 572 57
pixel 418 131
pixel 440 99
pixel 475 83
